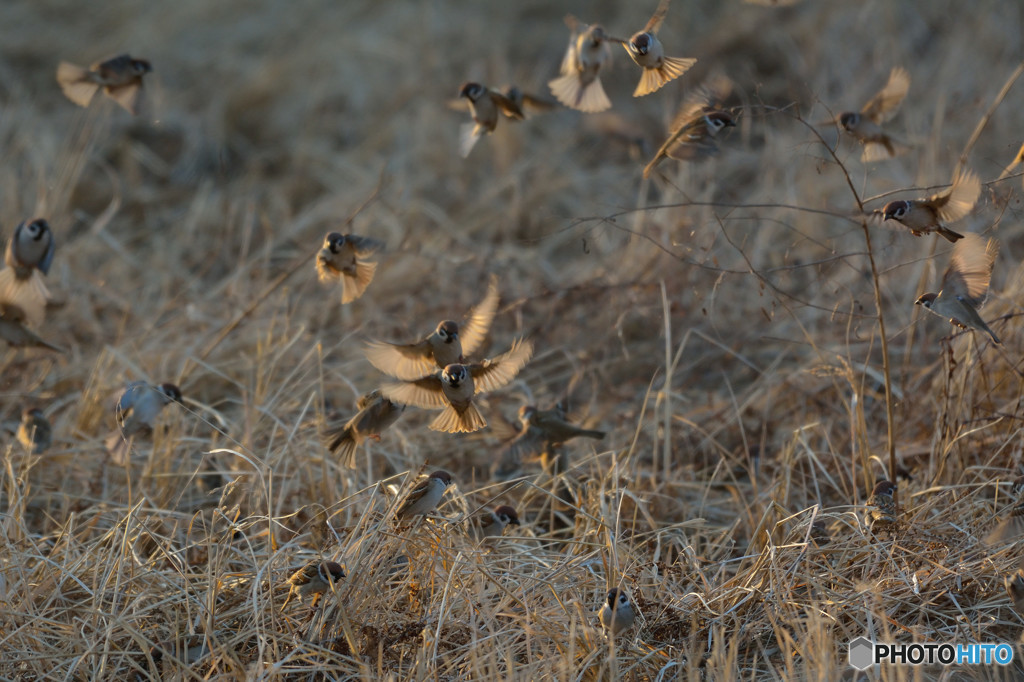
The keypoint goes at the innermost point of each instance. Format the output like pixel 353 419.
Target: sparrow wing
pixel 537 104
pixel 970 269
pixel 495 373
pixel 364 246
pixel 405 361
pixel 886 101
pixel 426 392
pixel 506 105
pixel 368 399
pixel 958 200
pixel 529 442
pixel 128 96
pixel 570 63
pixel 658 18
pixel 474 329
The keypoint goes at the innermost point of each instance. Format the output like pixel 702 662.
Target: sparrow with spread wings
pixel 344 258
pixel 965 284
pixel 928 214
pixel 866 125
pixel 646 50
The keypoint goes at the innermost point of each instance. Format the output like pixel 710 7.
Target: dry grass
pixel 722 311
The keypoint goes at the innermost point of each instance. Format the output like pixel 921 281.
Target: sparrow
pixel 453 389
pixel 376 413
pixel 120 77
pixel 343 258
pixel 484 105
pixel 646 50
pixel 543 430
pixel 492 524
pixel 190 650
pixel 28 257
pixel 882 506
pixel 425 495
pixel 449 343
pixel 34 431
pixel 527 103
pixel 617 614
pixel 16 334
pixel 696 126
pixel 135 413
pixel 314 578
pixel 865 125
pixel 965 284
pixel 1015 589
pixel 579 85
pixel 1011 527
pixel 927 215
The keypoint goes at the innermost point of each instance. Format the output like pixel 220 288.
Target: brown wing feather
pixel 426 392
pixel 507 106
pixel 401 360
pixel 886 101
pixel 654 23
pixel 493 374
pixel 473 331
pixel 970 268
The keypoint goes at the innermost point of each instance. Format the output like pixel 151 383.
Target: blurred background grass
pixel 704 336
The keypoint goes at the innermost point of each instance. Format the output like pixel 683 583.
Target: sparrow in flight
pixel 695 129
pixel 544 430
pixel 579 85
pixel 376 413
pixel 485 105
pixel 865 125
pixel 646 50
pixel 928 214
pixel 16 334
pixel 965 284
pixel 120 77
pixel 343 258
pixel 28 257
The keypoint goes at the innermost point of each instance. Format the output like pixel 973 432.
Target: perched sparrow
pixel 425 495
pixel 14 331
pixel 865 125
pixel 135 413
pixel 927 215
pixel 882 506
pixel 696 126
pixel 449 343
pixel 376 414
pixel 492 524
pixel 453 389
pixel 617 613
pixel 343 258
pixel 314 578
pixel 579 85
pixel 34 431
pixel 647 51
pixel 28 257
pixel 545 429
pixel 965 284
pixel 1011 527
pixel 120 77
pixel 484 106
pixel 1015 589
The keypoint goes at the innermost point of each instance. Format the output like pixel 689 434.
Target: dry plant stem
pixel 988 115
pixel 891 433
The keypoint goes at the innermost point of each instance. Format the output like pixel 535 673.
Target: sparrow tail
pixel 119 448
pixel 469 135
pixel 570 91
pixel 352 287
pixel 76 83
pixel 653 80
pixel 30 295
pixel 592 433
pixel 451 421
pixel 341 442
pixel 949 234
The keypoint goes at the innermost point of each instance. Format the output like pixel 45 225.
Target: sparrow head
pixel 849 120
pixel 641 43
pixel 526 413
pixel 926 300
pixel 140 67
pixel 718 120
pixel 331 571
pixel 472 91
pixel 334 241
pixel 35 229
pixel 507 515
pixel 448 331
pixel 30 413
pixel 896 210
pixel 453 375
pixel 617 597
pixel 442 476
pixel 883 487
pixel 171 391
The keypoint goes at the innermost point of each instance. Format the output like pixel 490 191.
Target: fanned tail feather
pixel 450 421
pixel 341 443
pixel 76 83
pixel 570 91
pixel 469 135
pixel 653 80
pixel 352 287
pixel 949 234
pixel 119 448
pixel 30 295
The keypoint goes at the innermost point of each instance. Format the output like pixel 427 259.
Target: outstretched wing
pixel 495 373
pixel 473 331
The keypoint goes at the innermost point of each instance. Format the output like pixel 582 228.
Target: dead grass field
pixel 720 322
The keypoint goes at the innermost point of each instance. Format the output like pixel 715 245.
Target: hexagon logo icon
pixel 862 653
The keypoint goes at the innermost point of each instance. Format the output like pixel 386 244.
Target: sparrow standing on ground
pixel 136 412
pixel 34 431
pixel 696 126
pixel 16 334
pixel 865 125
pixel 453 389
pixel 29 256
pixel 492 524
pixel 617 614
pixel 647 51
pixel 1011 527
pixel 120 77
pixel 928 215
pixel 882 507
pixel 314 578
pixel 579 85
pixel 425 495
pixel 343 258
pixel 965 284
pixel 449 343
pixel 376 414
pixel 484 105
